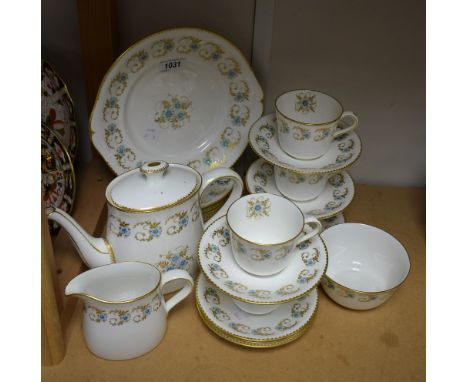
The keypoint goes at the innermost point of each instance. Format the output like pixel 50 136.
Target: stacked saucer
pixel 258 285
pixel 304 150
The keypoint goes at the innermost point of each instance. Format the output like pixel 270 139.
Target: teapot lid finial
pixel 156 167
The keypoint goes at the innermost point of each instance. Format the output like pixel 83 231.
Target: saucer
pixel 224 318
pixel 344 151
pixel 334 220
pixel 337 195
pixel 301 276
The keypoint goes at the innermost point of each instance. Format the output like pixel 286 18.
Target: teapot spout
pixel 93 251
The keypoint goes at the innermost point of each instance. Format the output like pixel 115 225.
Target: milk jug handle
pixel 177 274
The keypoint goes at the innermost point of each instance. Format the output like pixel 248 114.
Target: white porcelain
pixel 153 216
pixel 216 259
pixel 343 152
pixel 226 317
pixel 124 311
pixel 299 187
pixel 308 121
pixel 264 230
pixel 366 265
pixel 254 308
pixel 187 94
pixel 337 195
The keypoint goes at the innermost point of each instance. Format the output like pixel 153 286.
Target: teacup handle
pixel 316 230
pixel 351 127
pixel 236 193
pixel 176 274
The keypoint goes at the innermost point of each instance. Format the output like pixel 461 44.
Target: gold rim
pixel 302 171
pixel 319 217
pixel 106 242
pixel 120 57
pixel 267 244
pixel 69 159
pixel 314 286
pixel 308 123
pixel 251 343
pixel 127 209
pixel 124 301
pixel 262 342
pixel 67 93
pixel 357 291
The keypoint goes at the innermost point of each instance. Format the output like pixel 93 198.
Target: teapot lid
pixel 154 186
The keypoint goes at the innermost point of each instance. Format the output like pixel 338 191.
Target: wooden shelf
pixel 385 344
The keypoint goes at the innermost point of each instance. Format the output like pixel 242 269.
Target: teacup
pixel 307 122
pixel 298 186
pixel 124 310
pixel 366 265
pixel 255 309
pixel 265 228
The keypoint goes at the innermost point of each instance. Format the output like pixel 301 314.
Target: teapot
pixel 154 216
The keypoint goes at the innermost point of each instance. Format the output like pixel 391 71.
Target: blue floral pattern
pixel 119 317
pixel 258 207
pixel 173 112
pixel 178 258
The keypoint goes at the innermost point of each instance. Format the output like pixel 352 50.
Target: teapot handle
pixel 236 193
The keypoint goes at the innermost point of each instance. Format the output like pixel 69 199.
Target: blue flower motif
pixel 303 245
pixel 156 232
pixel 236 121
pixel 147 311
pixel 225 143
pixel 194 46
pixel 183 222
pixel 168 113
pixel 144 56
pixel 258 207
pixel 239 97
pixel 226 233
pixel 231 74
pixel 170 268
pixel 180 116
pixel 111 128
pixel 121 150
pixel 305 103
pixel 124 231
pixel 123 76
pixel 169 45
pixel 177 105
pixel 102 316
pixel 183 263
pixel 215 56
pixel 126 317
